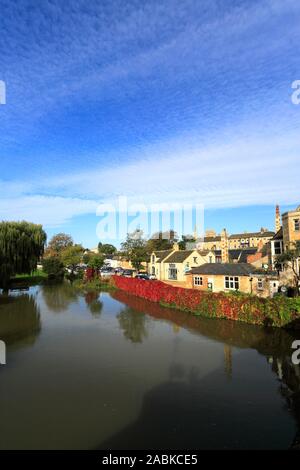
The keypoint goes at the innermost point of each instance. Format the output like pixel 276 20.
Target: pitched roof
pixel 213 239
pixel 265 234
pixel 179 256
pixel 224 269
pixel 238 254
pixel 162 254
pixel 278 235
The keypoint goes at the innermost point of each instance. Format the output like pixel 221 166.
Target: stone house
pixel 226 277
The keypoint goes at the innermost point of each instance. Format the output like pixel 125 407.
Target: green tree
pixel 290 259
pixel 71 256
pixel 185 239
pixel 135 249
pixel 53 267
pixel 106 249
pixel 21 247
pixel 86 256
pixel 161 241
pixel 58 243
pixel 95 261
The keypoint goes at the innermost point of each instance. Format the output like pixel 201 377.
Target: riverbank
pixel 37 277
pixel 278 312
pixel 95 284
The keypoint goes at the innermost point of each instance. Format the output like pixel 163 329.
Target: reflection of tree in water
pixel 133 325
pixel 19 319
pixel 58 297
pixel 94 303
pixel 273 343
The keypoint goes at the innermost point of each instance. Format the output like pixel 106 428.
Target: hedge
pixel 278 311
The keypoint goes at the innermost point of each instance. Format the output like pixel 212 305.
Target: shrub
pixel 53 267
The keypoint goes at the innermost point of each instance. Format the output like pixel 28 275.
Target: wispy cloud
pixel 50 211
pixel 240 172
pixel 159 101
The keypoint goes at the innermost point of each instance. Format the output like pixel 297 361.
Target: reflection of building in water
pixel 228 360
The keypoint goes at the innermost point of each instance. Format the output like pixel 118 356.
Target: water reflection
pixel 191 382
pixel 133 324
pixel 274 344
pixel 93 302
pixel 19 319
pixel 59 297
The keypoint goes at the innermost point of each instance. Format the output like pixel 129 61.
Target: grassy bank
pixel 35 278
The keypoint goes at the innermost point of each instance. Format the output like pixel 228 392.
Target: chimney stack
pixel 224 246
pixel 277 219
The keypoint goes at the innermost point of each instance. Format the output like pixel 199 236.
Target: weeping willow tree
pixel 21 246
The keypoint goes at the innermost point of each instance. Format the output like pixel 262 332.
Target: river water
pixel 111 371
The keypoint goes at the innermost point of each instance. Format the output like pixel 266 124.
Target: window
pixel 210 259
pixel 198 281
pixel 260 284
pixel 153 258
pixel 297 225
pixel 277 248
pixel 232 282
pixel 195 259
pixel 172 272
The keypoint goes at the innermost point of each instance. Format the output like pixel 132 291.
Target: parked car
pixel 107 271
pixel 128 273
pixel 119 271
pixel 145 277
pixel 152 277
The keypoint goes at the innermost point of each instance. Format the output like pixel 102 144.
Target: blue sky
pixel 160 101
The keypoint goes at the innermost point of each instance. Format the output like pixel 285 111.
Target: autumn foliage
pixel 242 307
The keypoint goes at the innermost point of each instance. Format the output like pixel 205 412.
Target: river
pixel 112 371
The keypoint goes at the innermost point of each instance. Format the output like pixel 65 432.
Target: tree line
pixel 23 245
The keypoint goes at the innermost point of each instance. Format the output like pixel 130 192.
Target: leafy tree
pixel 53 267
pixel 161 241
pixel 95 261
pixel 135 249
pixel 106 249
pixel 86 257
pixel 290 259
pixel 184 240
pixel 71 256
pixel 58 243
pixel 21 247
